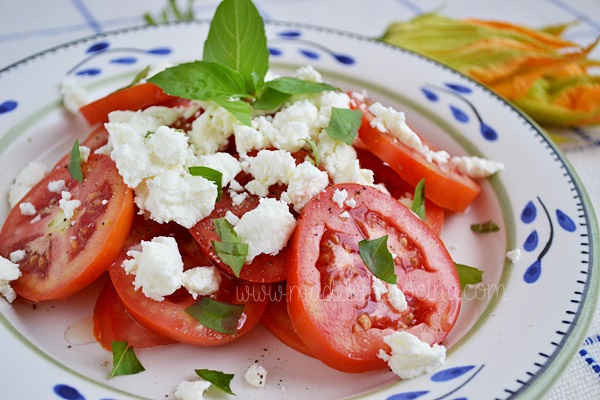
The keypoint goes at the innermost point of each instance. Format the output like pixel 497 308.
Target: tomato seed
pixel 364 320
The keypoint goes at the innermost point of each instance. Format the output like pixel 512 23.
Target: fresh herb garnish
pixel 485 227
pixel 234 65
pixel 216 315
pixel 125 362
pixel 378 258
pixel 75 163
pixel 212 175
pixel 468 275
pixel 344 124
pixel 315 150
pixel 418 201
pixel 230 249
pixel 172 12
pixel 218 379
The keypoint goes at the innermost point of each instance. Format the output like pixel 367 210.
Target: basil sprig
pixel 418 201
pixel 231 250
pixel 75 162
pixel 378 259
pixel 217 315
pixel 468 275
pixel 125 362
pixel 219 379
pixel 212 175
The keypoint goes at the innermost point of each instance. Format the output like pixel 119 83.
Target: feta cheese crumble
pixel 410 356
pixel 27 208
pixel 27 178
pixel 201 281
pixel 9 272
pixel 256 375
pixel 191 390
pixel 514 255
pixel 476 167
pixel 67 205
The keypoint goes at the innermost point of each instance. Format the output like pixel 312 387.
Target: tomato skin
pixel 56 265
pixel 133 98
pixel 329 286
pixel 168 317
pixel 444 185
pixel 112 322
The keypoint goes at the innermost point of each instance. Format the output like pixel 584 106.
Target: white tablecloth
pixel 31 26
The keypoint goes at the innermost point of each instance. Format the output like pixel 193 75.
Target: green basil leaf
pixel 314 149
pixel 291 85
pixel 230 249
pixel 485 227
pixel 125 362
pixel 212 175
pixel 344 124
pixel 468 275
pixel 418 201
pixel 240 109
pixel 75 163
pixel 270 100
pixel 201 80
pixel 219 379
pixel 216 315
pixel 378 258
pixel 237 39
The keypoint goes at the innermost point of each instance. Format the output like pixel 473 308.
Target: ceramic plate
pixel 517 330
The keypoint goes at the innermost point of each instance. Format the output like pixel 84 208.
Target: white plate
pixel 517 331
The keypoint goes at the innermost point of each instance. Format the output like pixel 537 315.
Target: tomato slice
pixel 444 185
pixel 63 256
pixel 331 303
pixel 398 187
pixel 136 97
pixel 112 322
pixel 277 320
pixel 168 317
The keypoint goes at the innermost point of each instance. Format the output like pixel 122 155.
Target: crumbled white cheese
pixel 344 215
pixel 378 287
pixel 256 375
pixel 17 256
pixel 225 163
pixel 158 267
pixel 394 122
pixel 73 95
pixel 201 281
pixel 267 228
pixel 211 130
pixel 309 73
pixel 476 167
pixel 27 208
pixel 396 297
pixel 514 255
pixel 9 272
pixel 339 196
pixel 253 137
pixel 67 205
pixel 56 186
pixel 27 178
pixel 411 357
pixel 84 153
pixel 268 168
pixel 232 218
pixel 305 183
pixel 351 202
pixel 191 390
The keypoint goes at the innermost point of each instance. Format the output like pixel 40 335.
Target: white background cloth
pixel 31 26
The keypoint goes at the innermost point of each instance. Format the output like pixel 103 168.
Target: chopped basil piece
pixel 216 315
pixel 212 175
pixel 418 201
pixel 378 258
pixel 485 227
pixel 315 150
pixel 344 124
pixel 218 379
pixel 468 275
pixel 230 249
pixel 125 362
pixel 75 163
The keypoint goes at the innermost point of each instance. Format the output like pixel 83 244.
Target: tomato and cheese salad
pixel 212 208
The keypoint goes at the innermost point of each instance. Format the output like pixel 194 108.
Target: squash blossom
pixel 543 74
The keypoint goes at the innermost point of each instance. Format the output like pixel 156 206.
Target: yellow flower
pixel 542 73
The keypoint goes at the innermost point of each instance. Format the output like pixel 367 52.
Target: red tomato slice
pixel 329 287
pixel 277 320
pixel 168 317
pixel 398 187
pixel 112 322
pixel 444 185
pixel 62 257
pixel 133 98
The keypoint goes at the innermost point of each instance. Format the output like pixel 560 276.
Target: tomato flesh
pixel 63 256
pixel 329 287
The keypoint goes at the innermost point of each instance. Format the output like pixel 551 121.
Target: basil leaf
pixel 240 109
pixel 468 275
pixel 344 124
pixel 314 149
pixel 218 379
pixel 200 80
pixel 125 362
pixel 378 258
pixel 75 163
pixel 230 249
pixel 270 100
pixel 237 39
pixel 291 85
pixel 418 201
pixel 216 315
pixel 485 227
pixel 212 175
